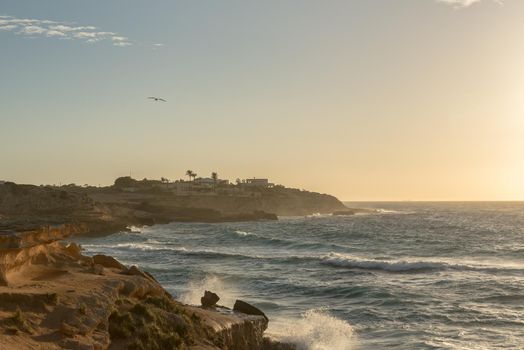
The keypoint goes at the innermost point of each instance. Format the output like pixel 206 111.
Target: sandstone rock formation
pixel 53 297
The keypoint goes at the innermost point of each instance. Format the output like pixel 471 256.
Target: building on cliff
pixel 254 182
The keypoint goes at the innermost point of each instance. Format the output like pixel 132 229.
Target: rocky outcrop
pixel 209 299
pixel 43 234
pixel 56 298
pixel 109 210
pixel 248 309
pixel 21 250
pixel 280 201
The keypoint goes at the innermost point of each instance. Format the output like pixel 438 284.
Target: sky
pixel 368 100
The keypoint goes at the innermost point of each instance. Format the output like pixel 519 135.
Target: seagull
pixel 157 99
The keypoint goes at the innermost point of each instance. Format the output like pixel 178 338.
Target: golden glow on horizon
pixel 407 100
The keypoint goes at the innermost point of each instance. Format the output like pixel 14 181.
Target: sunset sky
pixel 363 99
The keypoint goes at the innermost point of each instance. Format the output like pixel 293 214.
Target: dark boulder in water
pixel 248 309
pixel 209 299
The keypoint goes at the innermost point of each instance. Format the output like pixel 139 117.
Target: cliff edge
pixel 53 297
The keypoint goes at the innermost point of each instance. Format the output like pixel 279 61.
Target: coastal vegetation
pixel 145 202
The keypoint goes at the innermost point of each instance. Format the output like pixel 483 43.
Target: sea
pixel 410 275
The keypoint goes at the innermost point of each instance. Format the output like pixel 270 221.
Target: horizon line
pixel 434 201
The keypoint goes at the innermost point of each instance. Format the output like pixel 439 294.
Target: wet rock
pixel 209 299
pixel 108 261
pixel 248 309
pixel 270 344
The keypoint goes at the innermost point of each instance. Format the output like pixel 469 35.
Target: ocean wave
pixel 243 233
pixel 196 288
pixel 314 330
pixel 332 259
pixel 342 260
pixel 318 216
pixel 134 229
pixel 182 250
pixel 133 246
pixel 391 211
pixel 286 242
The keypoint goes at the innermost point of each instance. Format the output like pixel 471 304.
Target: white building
pixel 254 182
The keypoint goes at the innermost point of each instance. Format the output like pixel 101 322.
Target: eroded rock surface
pixel 53 297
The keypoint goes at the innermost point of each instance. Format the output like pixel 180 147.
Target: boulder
pixel 108 261
pixel 209 299
pixel 248 309
pixel 74 250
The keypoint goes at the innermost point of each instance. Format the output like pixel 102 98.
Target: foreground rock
pixel 248 309
pixel 209 299
pixel 53 297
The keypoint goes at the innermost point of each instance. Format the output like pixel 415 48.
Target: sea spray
pixel 134 229
pixel 316 329
pixel 195 290
pixel 243 233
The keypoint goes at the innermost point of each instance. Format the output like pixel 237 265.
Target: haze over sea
pixel 411 276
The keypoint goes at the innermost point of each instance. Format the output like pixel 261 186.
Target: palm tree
pixel 194 176
pixel 190 174
pixel 214 176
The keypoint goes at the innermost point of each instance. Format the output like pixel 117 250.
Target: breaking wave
pixel 315 330
pixel 134 229
pixel 133 246
pixel 331 259
pixel 196 288
pixel 243 233
pixel 342 260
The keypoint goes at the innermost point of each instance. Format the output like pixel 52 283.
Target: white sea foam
pixel 343 260
pixel 134 229
pixel 243 233
pixel 195 290
pixel 133 246
pixel 318 215
pixel 314 330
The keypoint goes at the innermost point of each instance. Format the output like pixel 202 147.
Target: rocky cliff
pixel 53 297
pixel 280 201
pixel 108 210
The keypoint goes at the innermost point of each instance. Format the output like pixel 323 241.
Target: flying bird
pixel 157 99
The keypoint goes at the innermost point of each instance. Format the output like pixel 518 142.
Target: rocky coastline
pixel 53 297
